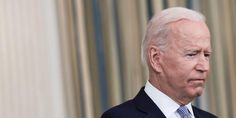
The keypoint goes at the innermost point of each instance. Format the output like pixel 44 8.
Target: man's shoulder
pixel 122 107
pixel 124 110
pixel 203 114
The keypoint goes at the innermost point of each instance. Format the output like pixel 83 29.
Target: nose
pixel 202 64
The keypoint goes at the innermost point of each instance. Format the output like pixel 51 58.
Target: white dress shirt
pixel 165 104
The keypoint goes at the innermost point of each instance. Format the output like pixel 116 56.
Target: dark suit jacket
pixel 143 107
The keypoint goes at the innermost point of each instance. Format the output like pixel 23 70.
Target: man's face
pixel 185 63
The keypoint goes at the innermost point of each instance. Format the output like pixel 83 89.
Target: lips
pixel 197 80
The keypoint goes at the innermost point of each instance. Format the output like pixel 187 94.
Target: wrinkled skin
pixel 181 70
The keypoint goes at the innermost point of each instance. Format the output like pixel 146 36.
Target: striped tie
pixel 183 112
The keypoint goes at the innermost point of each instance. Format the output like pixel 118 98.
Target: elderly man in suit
pixel 176 50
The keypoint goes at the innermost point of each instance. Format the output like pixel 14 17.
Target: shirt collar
pixel 164 102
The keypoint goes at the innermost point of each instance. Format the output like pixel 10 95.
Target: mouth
pixel 195 83
pixel 197 80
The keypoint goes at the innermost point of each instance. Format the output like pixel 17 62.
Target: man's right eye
pixel 191 54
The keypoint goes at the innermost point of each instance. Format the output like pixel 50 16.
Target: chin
pixel 196 89
pixel 197 92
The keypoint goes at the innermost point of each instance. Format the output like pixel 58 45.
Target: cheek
pixel 177 63
pixel 177 66
pixel 181 69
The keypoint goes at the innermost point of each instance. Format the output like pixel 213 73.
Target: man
pixel 177 50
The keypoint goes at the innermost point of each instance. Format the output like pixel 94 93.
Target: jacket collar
pixel 196 112
pixel 146 105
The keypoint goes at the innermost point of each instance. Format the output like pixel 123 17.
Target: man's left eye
pixel 207 55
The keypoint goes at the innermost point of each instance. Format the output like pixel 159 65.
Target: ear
pixel 154 54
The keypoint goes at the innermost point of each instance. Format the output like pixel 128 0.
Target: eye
pixel 191 54
pixel 207 55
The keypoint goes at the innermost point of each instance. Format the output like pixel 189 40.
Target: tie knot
pixel 183 112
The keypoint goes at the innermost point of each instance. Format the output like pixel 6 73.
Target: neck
pixel 156 81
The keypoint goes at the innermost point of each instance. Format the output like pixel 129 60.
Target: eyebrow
pixel 197 50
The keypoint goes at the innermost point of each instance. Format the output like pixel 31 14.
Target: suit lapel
pixel 196 112
pixel 147 106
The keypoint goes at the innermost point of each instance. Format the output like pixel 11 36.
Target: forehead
pixel 190 33
pixel 190 28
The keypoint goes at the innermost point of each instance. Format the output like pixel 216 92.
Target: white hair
pixel 158 27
